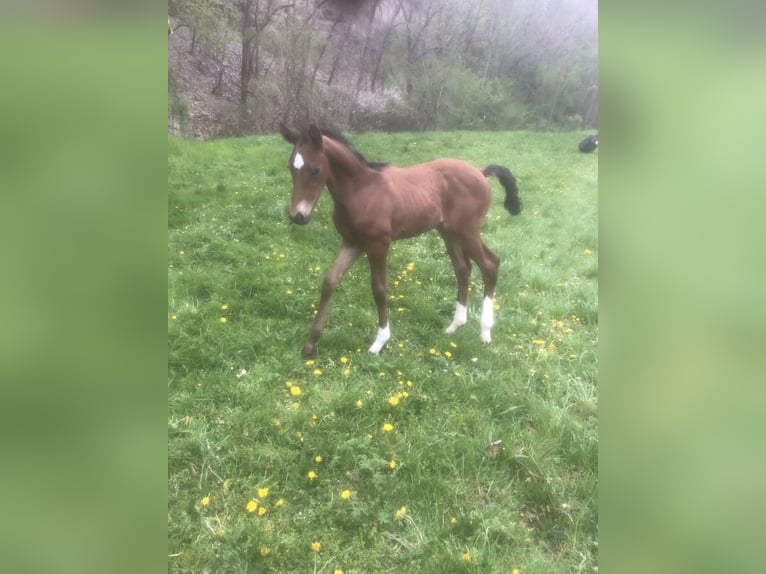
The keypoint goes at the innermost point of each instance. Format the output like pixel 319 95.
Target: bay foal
pixel 375 204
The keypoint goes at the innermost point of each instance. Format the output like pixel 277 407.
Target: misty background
pixel 238 67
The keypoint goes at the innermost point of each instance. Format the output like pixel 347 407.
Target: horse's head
pixel 309 168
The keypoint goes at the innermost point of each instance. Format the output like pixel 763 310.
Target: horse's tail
pixel 512 201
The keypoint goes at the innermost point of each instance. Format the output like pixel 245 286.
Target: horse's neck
pixel 344 168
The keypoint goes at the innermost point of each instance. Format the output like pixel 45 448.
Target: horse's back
pixel 445 191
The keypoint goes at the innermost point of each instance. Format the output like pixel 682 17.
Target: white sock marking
pixel 461 316
pixel 487 319
pixel 298 161
pixel 384 334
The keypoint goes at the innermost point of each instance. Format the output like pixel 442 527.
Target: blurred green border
pixel 83 175
pixel 681 317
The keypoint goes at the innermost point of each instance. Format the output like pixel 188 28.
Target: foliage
pixel 253 426
pixel 471 64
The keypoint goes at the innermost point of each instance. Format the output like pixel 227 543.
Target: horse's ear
pixel 315 137
pixel 289 135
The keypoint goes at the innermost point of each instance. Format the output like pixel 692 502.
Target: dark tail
pixel 512 201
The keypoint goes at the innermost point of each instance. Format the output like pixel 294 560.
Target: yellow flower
pixel 261 511
pixel 205 501
pixel 343 360
pixel 280 502
pixel 224 307
pixel 312 475
pixel 466 557
pixel 388 427
pixel 453 520
pixel 251 506
pixel 345 495
pixel 515 571
pixel 453 345
pixel 288 384
pixel 587 252
pixel 433 351
pixel 310 362
pixel 392 465
pixel 173 317
pixel 359 403
pixel 401 512
pixel 538 342
pixel 263 492
pixel 316 546
pixel 295 390
pixel 317 372
pixel 222 319
pixel 265 551
pixel 346 372
pixel 318 458
pixel 337 571
pixel 393 401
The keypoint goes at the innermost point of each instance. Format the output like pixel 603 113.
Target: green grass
pixel 234 255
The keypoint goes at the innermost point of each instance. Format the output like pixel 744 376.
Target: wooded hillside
pixel 238 67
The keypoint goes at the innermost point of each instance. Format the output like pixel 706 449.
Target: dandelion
pixel 263 492
pixel 401 512
pixel 173 317
pixel 410 266
pixel 433 351
pixel 388 427
pixel 337 571
pixel 453 521
pixel 393 400
pixel 345 495
pixel 295 390
pixel 288 384
pixel 587 252
pixel 279 502
pixel 317 372
pixel 343 360
pixel 223 319
pixel 251 506
pixel 453 345
pixel 347 372
pixel 392 464
pixel 359 403
pixel 310 363
pixel 515 571
pixel 466 557
pixel 224 307
pixel 264 551
pixel 538 342
pixel 316 546
pixel 312 475
pixel 318 458
pixel 447 354
pixel 205 501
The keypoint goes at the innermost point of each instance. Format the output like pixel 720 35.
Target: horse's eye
pixel 315 171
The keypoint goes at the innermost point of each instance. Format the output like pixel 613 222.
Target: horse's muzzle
pixel 300 219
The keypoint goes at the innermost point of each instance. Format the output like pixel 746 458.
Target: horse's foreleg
pixel 343 262
pixel 377 257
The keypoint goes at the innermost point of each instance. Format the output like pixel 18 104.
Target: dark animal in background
pixel 589 144
pixel 375 204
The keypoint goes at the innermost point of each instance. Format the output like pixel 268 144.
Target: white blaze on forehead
pixel 298 161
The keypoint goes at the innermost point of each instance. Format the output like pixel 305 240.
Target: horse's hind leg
pixel 489 263
pixel 462 266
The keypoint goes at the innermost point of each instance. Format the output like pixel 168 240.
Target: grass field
pixel 358 463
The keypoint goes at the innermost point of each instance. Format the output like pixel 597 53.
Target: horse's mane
pixel 338 137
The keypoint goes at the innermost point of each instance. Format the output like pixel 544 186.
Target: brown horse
pixel 375 204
